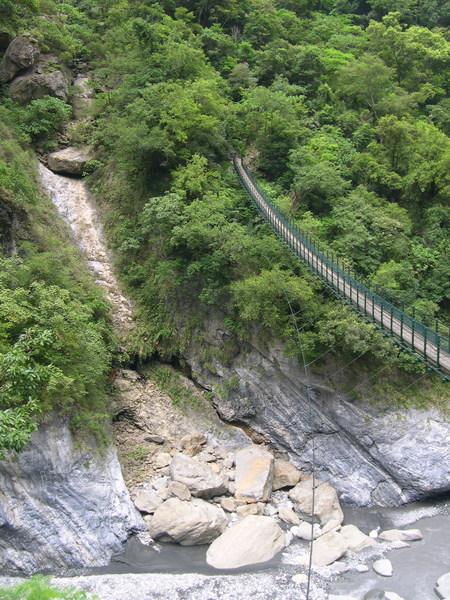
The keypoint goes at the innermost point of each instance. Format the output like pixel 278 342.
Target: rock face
pixel 326 503
pixel 253 540
pixel 71 161
pixel 254 474
pixel 371 456
pixel 188 523
pixel 21 54
pixel 443 586
pixel 198 477
pixel 47 77
pixel 61 506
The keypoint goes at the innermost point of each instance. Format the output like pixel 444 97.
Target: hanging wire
pixel 313 443
pixel 324 354
pixel 342 368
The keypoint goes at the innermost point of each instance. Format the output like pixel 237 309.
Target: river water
pixel 170 572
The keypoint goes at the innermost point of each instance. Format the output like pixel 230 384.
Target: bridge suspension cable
pixel 430 344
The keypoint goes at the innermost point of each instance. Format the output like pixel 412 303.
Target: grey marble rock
pixel 62 506
pixel 371 456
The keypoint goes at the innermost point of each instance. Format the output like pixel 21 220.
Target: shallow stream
pixel 172 572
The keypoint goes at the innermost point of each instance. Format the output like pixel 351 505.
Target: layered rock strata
pixel 370 455
pixel 62 506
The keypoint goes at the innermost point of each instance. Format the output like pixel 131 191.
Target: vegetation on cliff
pixel 340 107
pixel 55 335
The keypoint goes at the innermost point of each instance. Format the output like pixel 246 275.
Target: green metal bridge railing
pixel 431 345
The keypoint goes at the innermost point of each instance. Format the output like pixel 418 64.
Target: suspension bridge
pixel 429 343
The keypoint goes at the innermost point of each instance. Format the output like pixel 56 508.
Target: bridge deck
pixel 433 350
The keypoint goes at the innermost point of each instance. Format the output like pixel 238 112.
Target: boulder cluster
pixel 32 74
pixel 247 505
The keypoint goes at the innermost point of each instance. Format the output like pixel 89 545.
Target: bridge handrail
pixel 428 334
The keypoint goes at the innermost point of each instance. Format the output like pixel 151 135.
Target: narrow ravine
pixel 73 201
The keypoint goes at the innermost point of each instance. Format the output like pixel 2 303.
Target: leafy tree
pixel 369 231
pixel 43 119
pixel 364 82
pixel 396 282
pixel 416 53
pixel 13 11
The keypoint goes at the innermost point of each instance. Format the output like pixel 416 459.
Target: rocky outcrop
pixel 61 506
pixel 254 540
pixel 188 523
pixel 21 54
pixel 70 161
pixel 47 77
pixel 254 474
pixel 371 456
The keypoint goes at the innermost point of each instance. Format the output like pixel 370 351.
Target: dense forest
pixel 339 107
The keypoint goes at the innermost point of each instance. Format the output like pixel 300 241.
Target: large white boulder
pixel 443 586
pixel 404 535
pixel 355 539
pixel 326 503
pixel 69 160
pixel 254 474
pixel 253 540
pixel 197 476
pixel 328 548
pixel 188 523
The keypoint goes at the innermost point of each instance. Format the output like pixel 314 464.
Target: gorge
pixel 151 258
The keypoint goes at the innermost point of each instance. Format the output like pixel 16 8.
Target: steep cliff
pixel 61 505
pixel 372 456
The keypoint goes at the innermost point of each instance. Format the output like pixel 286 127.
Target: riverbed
pixel 171 572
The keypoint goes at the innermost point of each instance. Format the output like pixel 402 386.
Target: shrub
pixel 39 588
